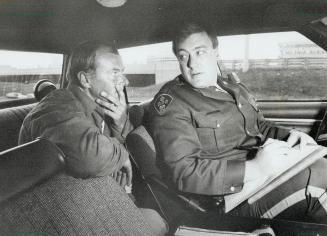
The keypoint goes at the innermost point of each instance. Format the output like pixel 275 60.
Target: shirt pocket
pixel 208 128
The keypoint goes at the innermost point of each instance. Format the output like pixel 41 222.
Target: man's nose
pixel 192 62
pixel 121 79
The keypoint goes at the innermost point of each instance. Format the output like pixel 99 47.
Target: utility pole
pixel 245 63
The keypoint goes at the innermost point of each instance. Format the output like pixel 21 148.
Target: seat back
pixel 26 165
pixel 11 120
pixel 149 188
pixel 35 196
pixel 141 147
pixel 64 205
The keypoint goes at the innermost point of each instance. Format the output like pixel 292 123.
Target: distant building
pixel 301 50
pixel 9 70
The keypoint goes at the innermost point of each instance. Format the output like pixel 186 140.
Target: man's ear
pixel 216 51
pixel 84 79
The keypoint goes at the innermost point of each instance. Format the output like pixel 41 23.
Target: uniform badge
pixel 162 102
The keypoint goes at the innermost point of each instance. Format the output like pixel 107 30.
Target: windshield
pixel 274 66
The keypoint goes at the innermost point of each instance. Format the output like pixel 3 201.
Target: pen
pixel 249 148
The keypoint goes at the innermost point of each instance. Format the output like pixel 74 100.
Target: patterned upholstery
pixel 68 206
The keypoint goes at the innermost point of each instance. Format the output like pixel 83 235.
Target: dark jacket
pixel 198 134
pixel 73 121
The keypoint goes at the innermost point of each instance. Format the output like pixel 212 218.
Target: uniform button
pixel 232 188
pixel 217 90
pixel 218 125
pixel 240 105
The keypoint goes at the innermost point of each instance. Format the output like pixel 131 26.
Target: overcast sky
pixel 261 46
pixel 230 47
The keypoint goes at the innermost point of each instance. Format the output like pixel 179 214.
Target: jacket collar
pixel 230 86
pixel 87 103
pixel 232 89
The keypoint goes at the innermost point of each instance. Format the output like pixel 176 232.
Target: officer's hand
pixel 272 158
pixel 299 137
pixel 115 106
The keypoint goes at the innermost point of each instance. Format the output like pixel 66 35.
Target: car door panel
pixel 301 115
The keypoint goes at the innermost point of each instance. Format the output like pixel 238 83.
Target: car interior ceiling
pixel 151 22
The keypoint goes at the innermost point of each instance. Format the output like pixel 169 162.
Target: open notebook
pixel 190 231
pixel 254 190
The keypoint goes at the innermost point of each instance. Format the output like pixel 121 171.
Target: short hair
pixel 191 28
pixel 82 58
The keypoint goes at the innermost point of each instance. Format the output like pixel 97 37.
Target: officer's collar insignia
pixel 162 102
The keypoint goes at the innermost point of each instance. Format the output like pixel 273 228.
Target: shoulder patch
pixel 162 102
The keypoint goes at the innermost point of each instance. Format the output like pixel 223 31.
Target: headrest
pixel 42 88
pixel 138 113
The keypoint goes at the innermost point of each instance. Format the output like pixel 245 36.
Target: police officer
pixel 203 125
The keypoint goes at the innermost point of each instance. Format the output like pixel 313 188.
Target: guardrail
pixel 276 63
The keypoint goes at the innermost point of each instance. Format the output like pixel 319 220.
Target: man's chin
pixel 199 83
pixel 195 82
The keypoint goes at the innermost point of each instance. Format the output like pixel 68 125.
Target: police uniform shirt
pixel 197 131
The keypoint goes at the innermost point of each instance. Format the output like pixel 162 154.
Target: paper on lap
pixel 254 190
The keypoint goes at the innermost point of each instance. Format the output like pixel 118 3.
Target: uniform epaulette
pixel 170 85
pixel 177 81
pixel 233 77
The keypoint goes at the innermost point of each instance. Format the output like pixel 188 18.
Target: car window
pixel 148 67
pixel 19 71
pixel 274 66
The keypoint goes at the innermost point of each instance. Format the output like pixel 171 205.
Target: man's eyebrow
pixel 181 50
pixel 118 68
pixel 200 47
pixel 196 48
